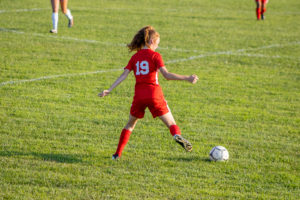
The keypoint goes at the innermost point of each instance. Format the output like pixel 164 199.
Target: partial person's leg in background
pixel 263 9
pixel 54 4
pixel 258 9
pixel 67 12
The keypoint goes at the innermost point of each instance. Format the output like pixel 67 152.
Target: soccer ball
pixel 219 153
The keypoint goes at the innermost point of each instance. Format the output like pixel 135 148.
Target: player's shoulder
pixel 156 54
pixel 146 53
pixel 135 56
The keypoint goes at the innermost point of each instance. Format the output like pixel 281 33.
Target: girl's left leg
pixel 67 12
pixel 125 135
pixel 54 4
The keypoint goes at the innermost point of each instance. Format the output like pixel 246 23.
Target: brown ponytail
pixel 142 38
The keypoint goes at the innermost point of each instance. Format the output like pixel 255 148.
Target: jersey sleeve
pixel 130 65
pixel 158 61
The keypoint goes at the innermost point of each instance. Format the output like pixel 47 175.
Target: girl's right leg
pixel 55 4
pixel 169 121
pixel 125 135
pixel 263 8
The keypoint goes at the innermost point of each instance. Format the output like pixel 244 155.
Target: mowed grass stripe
pixel 232 52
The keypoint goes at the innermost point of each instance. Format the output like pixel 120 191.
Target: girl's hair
pixel 142 38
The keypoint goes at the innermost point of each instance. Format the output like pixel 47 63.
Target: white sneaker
pixel 53 31
pixel 71 23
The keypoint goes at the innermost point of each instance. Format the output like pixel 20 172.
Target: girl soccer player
pixel 64 9
pixel 261 7
pixel 145 65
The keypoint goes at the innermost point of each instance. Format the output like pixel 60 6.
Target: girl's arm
pixel 115 84
pixel 171 76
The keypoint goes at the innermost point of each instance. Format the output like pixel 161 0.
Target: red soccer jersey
pixel 145 65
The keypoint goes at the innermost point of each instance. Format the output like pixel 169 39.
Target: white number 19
pixel 142 68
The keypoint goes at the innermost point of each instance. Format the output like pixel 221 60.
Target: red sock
pixel 263 10
pixel 124 137
pixel 258 13
pixel 174 130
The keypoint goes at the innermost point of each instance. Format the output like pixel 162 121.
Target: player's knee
pixel 258 4
pixel 130 128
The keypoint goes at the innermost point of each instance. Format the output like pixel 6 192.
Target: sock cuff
pixel 124 137
pixel 175 130
pixel 54 20
pixel 258 12
pixel 68 14
pixel 126 131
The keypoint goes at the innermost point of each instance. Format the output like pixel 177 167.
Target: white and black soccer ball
pixel 219 153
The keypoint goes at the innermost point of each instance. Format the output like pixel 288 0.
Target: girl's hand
pixel 193 79
pixel 104 93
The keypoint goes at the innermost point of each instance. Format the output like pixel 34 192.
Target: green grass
pixel 57 136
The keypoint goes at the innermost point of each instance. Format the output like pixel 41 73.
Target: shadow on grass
pixel 61 158
pixel 188 159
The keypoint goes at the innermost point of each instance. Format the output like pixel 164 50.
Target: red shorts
pixel 157 107
pixel 263 1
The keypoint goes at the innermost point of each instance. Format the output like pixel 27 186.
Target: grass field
pixel 57 137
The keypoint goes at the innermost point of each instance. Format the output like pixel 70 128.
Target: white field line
pixel 265 56
pixel 24 10
pixel 165 48
pixel 233 52
pixel 61 37
pixel 57 76
pixel 151 9
pixel 86 40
